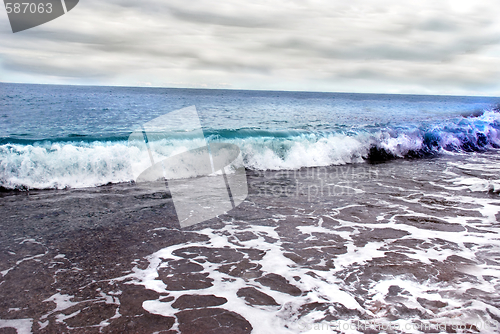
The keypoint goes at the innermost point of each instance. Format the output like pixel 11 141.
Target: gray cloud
pixel 372 46
pixel 216 18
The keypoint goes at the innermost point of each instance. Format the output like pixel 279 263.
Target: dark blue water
pixel 59 136
pixel 36 112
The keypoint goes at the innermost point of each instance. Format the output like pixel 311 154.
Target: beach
pixel 402 245
pixel 358 236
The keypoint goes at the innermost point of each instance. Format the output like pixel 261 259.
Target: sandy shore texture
pixel 403 243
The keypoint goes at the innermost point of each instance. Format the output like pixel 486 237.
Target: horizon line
pixel 237 89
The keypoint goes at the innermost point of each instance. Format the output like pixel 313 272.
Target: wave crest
pixel 82 164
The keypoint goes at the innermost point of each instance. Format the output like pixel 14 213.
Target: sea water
pixel 67 136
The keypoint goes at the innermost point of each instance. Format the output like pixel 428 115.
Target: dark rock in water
pixel 431 304
pixel 394 264
pixel 395 290
pixel 8 330
pixel 212 321
pixel 183 275
pixel 186 281
pixel 430 224
pixel 198 301
pixel 255 297
pixel 253 254
pixel 482 140
pixel 368 235
pixel 132 297
pixel 378 155
pixel 137 324
pixel 279 283
pixel 312 257
pixel 397 311
pixel 333 311
pixel 244 268
pixel 472 114
pixel 92 315
pixel 180 266
pixel 213 255
pixel 245 236
pixel 133 316
pixel 458 260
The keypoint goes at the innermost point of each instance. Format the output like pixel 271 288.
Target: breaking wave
pixel 63 163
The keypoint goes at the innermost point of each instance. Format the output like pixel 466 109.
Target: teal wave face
pixel 79 163
pixel 66 136
pixel 47 112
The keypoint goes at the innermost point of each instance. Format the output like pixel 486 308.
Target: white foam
pixel 263 318
pixel 62 302
pixel 79 165
pixel 487 174
pixel 22 326
pixel 324 286
pixel 63 165
pixel 303 151
pixel 27 258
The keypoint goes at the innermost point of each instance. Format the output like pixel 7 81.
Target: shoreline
pixel 114 259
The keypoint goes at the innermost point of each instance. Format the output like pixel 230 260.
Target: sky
pixel 449 47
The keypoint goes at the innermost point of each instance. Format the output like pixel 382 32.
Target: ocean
pixel 363 213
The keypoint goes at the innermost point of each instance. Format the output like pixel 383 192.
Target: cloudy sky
pixel 383 46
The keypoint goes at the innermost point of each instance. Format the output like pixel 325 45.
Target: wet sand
pixel 402 242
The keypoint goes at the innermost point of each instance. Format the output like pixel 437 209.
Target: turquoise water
pixel 76 136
